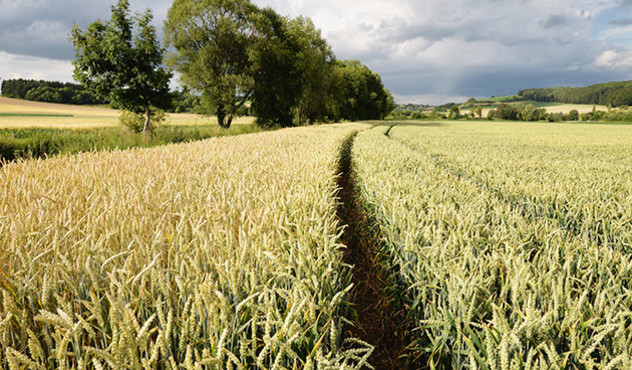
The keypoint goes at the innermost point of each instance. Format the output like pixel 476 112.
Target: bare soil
pixel 377 320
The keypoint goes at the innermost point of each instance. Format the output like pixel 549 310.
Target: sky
pixel 427 51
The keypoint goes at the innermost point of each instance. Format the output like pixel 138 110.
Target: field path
pixel 378 321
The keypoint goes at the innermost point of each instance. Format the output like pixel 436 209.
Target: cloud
pixel 44 38
pixel 615 59
pixel 621 22
pixel 42 28
pixel 20 66
pixel 423 49
pixel 555 21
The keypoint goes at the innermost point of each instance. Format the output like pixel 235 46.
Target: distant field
pixel 34 115
pixel 581 108
pixel 15 114
pixel 550 107
pixel 500 98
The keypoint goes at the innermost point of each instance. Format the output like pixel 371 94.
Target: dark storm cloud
pixel 485 82
pixel 480 83
pixel 42 28
pixel 421 48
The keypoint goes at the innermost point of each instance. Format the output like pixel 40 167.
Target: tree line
pixel 504 111
pixel 232 55
pixel 614 94
pixel 71 93
pixel 49 91
pixel 529 113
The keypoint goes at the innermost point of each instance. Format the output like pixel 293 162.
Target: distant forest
pixel 615 94
pixel 48 91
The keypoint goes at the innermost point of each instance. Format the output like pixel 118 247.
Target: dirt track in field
pixel 378 321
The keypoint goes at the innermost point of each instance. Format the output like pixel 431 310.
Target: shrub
pixel 135 121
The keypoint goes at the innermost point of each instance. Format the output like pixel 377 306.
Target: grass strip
pixel 40 142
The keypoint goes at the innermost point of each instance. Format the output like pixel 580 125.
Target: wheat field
pixel 507 246
pixel 215 254
pixel 513 240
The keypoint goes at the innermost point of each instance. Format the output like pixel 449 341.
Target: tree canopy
pixel 121 60
pixel 363 94
pixel 48 91
pixel 232 52
pixel 278 75
pixel 213 40
pixel 612 94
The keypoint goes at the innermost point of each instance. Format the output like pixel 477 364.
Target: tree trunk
pixel 222 120
pixel 147 125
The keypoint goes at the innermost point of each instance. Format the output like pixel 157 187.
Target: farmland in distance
pixel 23 114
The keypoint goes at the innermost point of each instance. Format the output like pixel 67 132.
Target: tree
pixel 469 103
pixel 214 40
pixel 478 111
pixel 507 112
pixel 454 113
pixel 231 52
pixel 121 60
pixel 278 75
pixel 315 61
pixel 362 95
pixel 500 111
pixel 39 91
pixel 611 93
pixel 529 113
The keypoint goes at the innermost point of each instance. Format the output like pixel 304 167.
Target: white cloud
pixel 614 59
pixel 20 66
pixel 618 31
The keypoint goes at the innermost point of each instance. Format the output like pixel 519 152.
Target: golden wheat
pixel 215 254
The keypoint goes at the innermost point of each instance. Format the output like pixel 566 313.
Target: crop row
pixel 577 176
pixel 494 279
pixel 216 254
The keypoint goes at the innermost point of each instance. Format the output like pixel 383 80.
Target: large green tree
pixel 278 78
pixel 361 95
pixel 231 52
pixel 213 40
pixel 315 60
pixel 121 61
